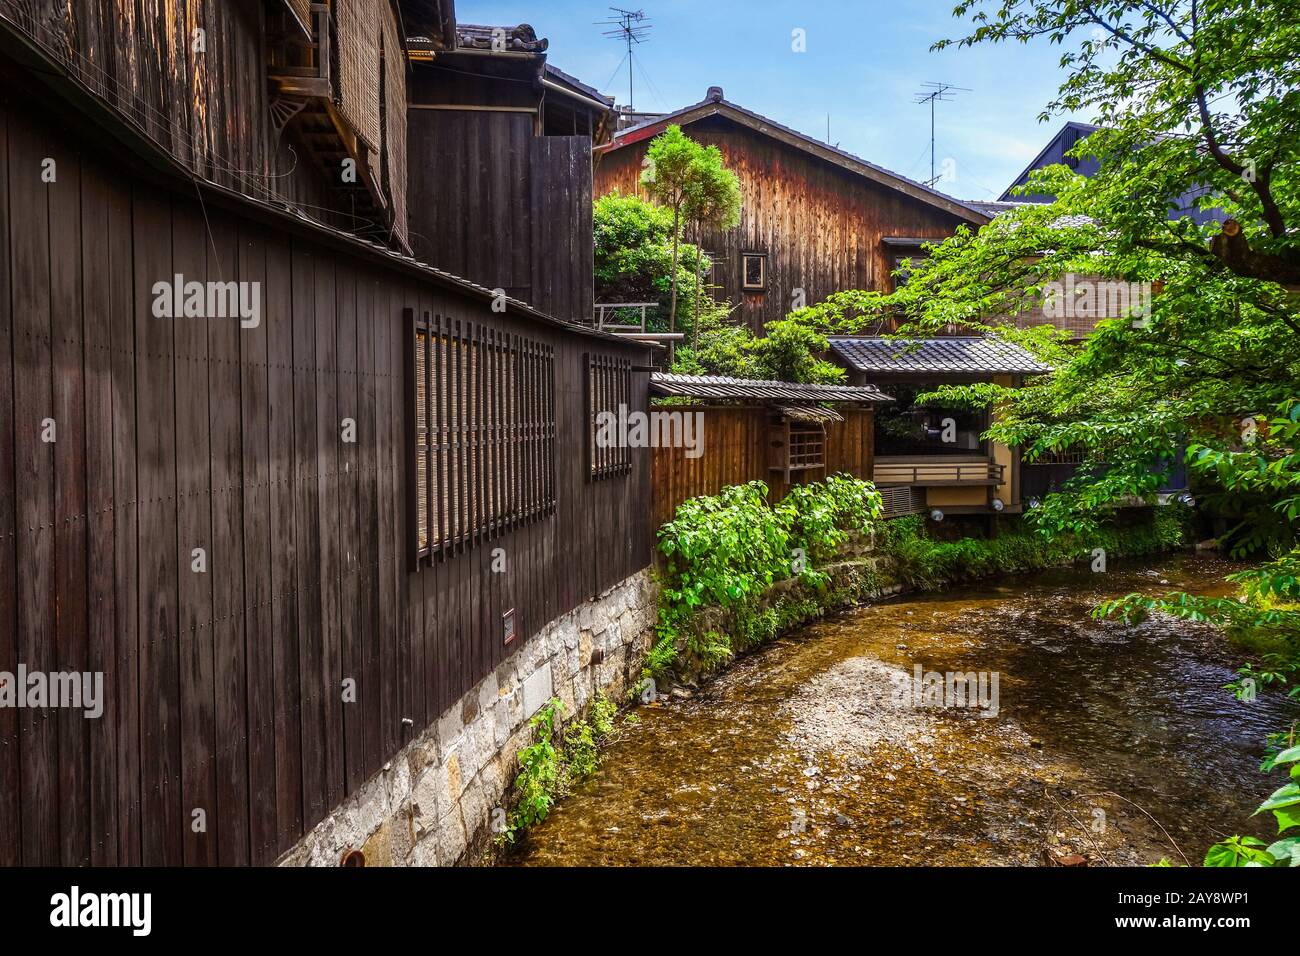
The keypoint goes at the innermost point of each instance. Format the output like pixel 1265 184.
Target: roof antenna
pixel 932 93
pixel 630 27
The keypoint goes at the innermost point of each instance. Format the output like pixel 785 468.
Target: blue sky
pixel 865 59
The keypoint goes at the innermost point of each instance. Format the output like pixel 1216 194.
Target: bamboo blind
pixel 395 122
pixel 302 10
pixel 357 30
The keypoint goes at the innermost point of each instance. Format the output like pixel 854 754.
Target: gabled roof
pixel 1076 132
pixel 724 386
pixel 715 105
pixel 959 355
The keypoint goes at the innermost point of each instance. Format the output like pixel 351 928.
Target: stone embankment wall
pixel 434 803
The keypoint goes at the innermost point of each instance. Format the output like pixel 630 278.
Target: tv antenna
pixel 936 93
pixel 630 27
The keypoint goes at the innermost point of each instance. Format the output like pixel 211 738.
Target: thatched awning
pixel 810 413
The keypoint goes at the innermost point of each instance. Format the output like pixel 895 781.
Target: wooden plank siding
pixel 223 685
pixel 505 208
pixel 736 452
pixel 205 107
pixel 819 225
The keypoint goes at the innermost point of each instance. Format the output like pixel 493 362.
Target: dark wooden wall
pixel 508 209
pixel 820 226
pixel 736 451
pixel 210 110
pixel 223 688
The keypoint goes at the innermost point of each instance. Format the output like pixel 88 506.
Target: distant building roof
pixel 725 387
pixel 556 75
pixel 990 208
pixel 1071 221
pixel 714 104
pixel 1054 152
pixel 959 355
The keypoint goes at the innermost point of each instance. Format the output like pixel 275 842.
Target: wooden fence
pixel 736 451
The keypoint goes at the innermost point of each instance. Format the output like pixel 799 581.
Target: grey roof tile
pixel 959 355
pixel 725 387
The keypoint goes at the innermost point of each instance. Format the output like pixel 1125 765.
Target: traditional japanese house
pixel 782 433
pixel 938 451
pixel 295 494
pixel 814 219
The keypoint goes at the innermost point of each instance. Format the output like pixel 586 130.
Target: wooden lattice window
pixel 481 432
pixel 796 446
pixel 609 392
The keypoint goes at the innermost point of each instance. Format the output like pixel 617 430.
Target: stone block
pixel 488 692
pixel 537 691
pixel 451 838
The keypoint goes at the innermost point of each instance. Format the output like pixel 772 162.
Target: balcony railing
pixel 937 470
pixel 623 316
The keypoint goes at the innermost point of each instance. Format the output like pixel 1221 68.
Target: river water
pixel 1113 743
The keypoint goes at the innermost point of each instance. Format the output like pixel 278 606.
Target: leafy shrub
pixel 725 550
pixel 921 562
pixel 547 773
pixel 539 772
pixel 1284 804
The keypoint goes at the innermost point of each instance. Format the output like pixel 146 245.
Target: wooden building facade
pixel 814 219
pixel 220 510
pixel 780 433
pixel 940 452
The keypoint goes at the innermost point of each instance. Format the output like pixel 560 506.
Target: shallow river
pixel 1114 743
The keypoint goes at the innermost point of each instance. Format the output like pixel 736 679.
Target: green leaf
pixel 1286 851
pixel 1286 796
pixel 1237 851
pixel 1286 819
pixel 1290 755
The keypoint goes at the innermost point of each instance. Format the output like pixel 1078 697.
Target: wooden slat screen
pixel 357 29
pixel 481 407
pixel 609 386
pixel 395 146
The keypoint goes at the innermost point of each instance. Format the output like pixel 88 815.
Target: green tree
pixel 712 201
pixel 1195 97
pixel 634 251
pixel 668 176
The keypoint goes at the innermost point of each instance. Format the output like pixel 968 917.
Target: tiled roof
pixel 555 74
pixel 962 355
pixel 520 39
pixel 990 208
pixel 995 209
pixel 810 413
pixel 723 386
